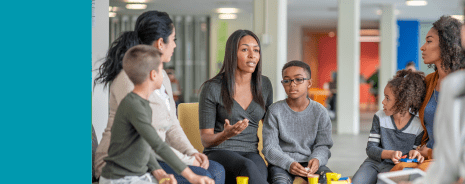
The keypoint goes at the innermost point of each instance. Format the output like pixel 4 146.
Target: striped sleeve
pixel 374 140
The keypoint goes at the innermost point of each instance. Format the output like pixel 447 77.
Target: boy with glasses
pixel 297 130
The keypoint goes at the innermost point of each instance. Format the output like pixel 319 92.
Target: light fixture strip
pixel 136 6
pixel 416 3
pixel 135 1
pixel 227 10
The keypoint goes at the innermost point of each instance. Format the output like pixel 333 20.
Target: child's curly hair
pixel 409 90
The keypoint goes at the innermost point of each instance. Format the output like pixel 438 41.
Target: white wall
pixel 274 54
pixel 100 34
pixel 294 41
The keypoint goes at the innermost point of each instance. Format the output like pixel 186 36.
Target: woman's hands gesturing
pixel 233 130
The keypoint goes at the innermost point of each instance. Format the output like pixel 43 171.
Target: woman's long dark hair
pixel 150 26
pixel 228 71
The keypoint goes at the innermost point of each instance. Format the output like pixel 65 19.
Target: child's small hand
pixel 423 150
pixel 164 178
pixel 202 180
pixel 313 164
pixel 297 169
pixel 416 154
pixel 395 157
pixel 169 180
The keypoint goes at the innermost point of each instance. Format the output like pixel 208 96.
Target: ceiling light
pixel 227 10
pixel 110 8
pixel 458 17
pixel 136 1
pixel 112 14
pixel 136 6
pixel 227 16
pixel 416 3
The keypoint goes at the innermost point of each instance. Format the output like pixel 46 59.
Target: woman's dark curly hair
pixel 409 90
pixel 450 44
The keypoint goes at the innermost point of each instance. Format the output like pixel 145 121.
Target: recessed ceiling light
pixel 227 10
pixel 136 1
pixel 111 14
pixel 227 16
pixel 416 3
pixel 136 6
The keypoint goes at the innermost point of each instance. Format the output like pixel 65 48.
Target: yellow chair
pixel 188 116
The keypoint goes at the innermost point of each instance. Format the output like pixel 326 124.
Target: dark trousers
pixel 237 163
pixel 369 170
pixel 279 175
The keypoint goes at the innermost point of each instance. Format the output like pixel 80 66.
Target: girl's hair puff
pixel 409 90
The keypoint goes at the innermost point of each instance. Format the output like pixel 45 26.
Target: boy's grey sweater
pixel 290 136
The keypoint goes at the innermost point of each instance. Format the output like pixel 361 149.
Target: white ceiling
pixel 309 13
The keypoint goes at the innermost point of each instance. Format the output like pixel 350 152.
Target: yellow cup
pixel 242 180
pixel 313 180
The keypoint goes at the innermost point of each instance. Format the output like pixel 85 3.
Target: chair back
pixel 188 116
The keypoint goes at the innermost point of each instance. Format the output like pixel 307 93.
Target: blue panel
pixel 408 43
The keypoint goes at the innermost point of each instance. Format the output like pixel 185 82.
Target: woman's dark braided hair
pixel 409 90
pixel 450 44
pixel 150 26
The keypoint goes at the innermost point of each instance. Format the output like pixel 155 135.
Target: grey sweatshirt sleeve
pixel 323 140
pixel 373 146
pixel 271 149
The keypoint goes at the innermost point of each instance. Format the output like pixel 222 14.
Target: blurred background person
pixel 411 66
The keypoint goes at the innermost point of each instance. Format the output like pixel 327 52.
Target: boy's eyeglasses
pixel 296 81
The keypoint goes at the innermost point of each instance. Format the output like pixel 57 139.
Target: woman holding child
pixel 155 29
pixel 231 105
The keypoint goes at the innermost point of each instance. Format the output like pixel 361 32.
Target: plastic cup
pixel 242 180
pixel 313 179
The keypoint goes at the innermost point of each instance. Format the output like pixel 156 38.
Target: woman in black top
pixel 231 106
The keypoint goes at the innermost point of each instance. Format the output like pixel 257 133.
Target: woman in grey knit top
pixel 231 105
